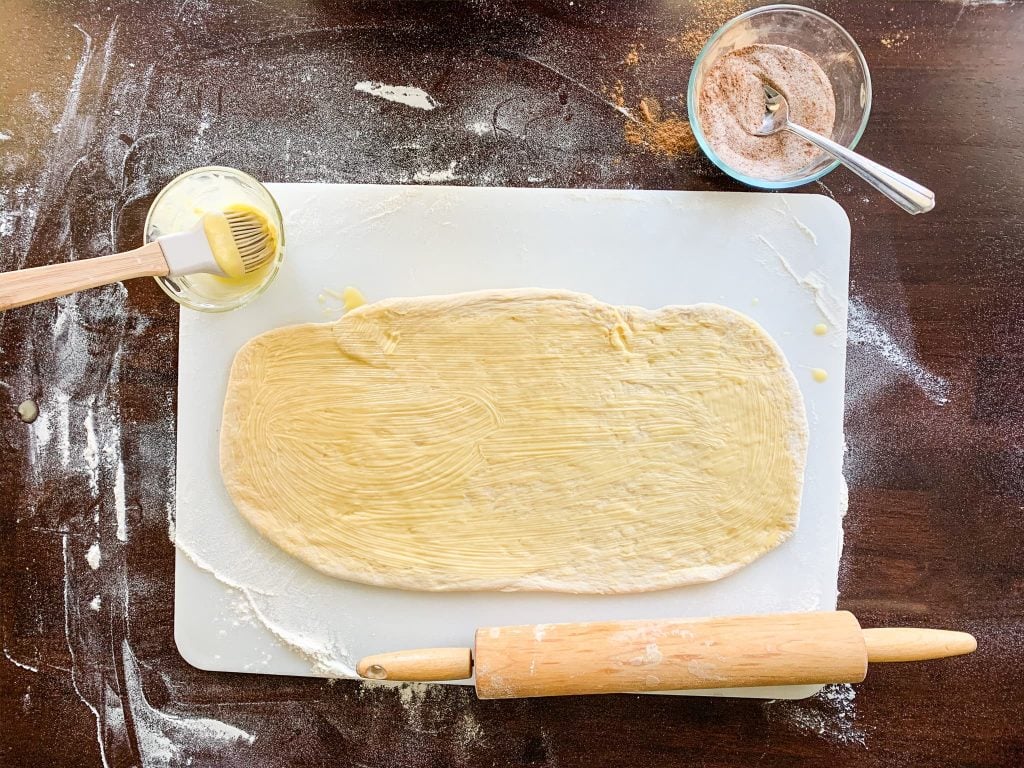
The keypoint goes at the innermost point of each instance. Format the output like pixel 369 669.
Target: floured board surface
pixel 244 605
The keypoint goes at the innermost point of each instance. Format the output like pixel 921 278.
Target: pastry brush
pixel 230 244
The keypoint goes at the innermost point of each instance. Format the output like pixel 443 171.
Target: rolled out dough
pixel 517 440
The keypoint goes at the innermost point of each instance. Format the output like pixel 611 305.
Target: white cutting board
pixel 242 605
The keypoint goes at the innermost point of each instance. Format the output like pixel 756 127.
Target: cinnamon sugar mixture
pixel 731 108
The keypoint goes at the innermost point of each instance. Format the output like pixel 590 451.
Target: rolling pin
pixel 668 655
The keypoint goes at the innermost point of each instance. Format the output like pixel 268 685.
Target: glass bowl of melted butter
pixel 183 202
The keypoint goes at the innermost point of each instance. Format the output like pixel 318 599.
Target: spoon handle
pixel 907 194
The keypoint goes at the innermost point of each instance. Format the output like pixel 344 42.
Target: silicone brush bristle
pixel 253 237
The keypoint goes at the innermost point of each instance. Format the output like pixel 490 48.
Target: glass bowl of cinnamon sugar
pixel 804 55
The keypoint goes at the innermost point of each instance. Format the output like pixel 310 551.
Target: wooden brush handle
pixel 27 286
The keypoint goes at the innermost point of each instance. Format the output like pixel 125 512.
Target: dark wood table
pixel 103 103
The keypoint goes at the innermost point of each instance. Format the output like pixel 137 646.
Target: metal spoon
pixel 907 194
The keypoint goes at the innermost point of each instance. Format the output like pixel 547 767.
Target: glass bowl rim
pixel 241 301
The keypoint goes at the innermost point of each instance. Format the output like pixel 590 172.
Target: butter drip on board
pixel 518 440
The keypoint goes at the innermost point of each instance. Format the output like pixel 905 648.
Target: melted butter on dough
pixel 518 440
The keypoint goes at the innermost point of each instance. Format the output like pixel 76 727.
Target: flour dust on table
pixel 95 472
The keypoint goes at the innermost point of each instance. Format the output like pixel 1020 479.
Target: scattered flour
pixel 808 232
pixel 865 329
pixel 830 714
pixel 77 341
pixel 469 732
pixel 61 409
pixel 202 565
pixel 812 282
pixel 409 695
pixel 327 658
pixel 73 640
pixel 91 452
pixel 804 229
pixel 20 664
pixel 414 693
pixel 402 94
pixel 168 740
pixel 93 556
pixel 437 177
pixel 120 509
pixel 652 654
pixel 432 708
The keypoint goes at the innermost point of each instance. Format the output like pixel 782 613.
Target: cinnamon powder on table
pixel 706 17
pixel 668 135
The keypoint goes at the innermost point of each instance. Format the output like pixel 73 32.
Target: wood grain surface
pixel 34 284
pixel 103 103
pixel 670 654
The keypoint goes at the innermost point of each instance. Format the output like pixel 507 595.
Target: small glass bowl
pixel 819 37
pixel 182 203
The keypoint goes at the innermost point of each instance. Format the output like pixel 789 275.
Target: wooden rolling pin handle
pixel 27 286
pixel 912 644
pixel 423 665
